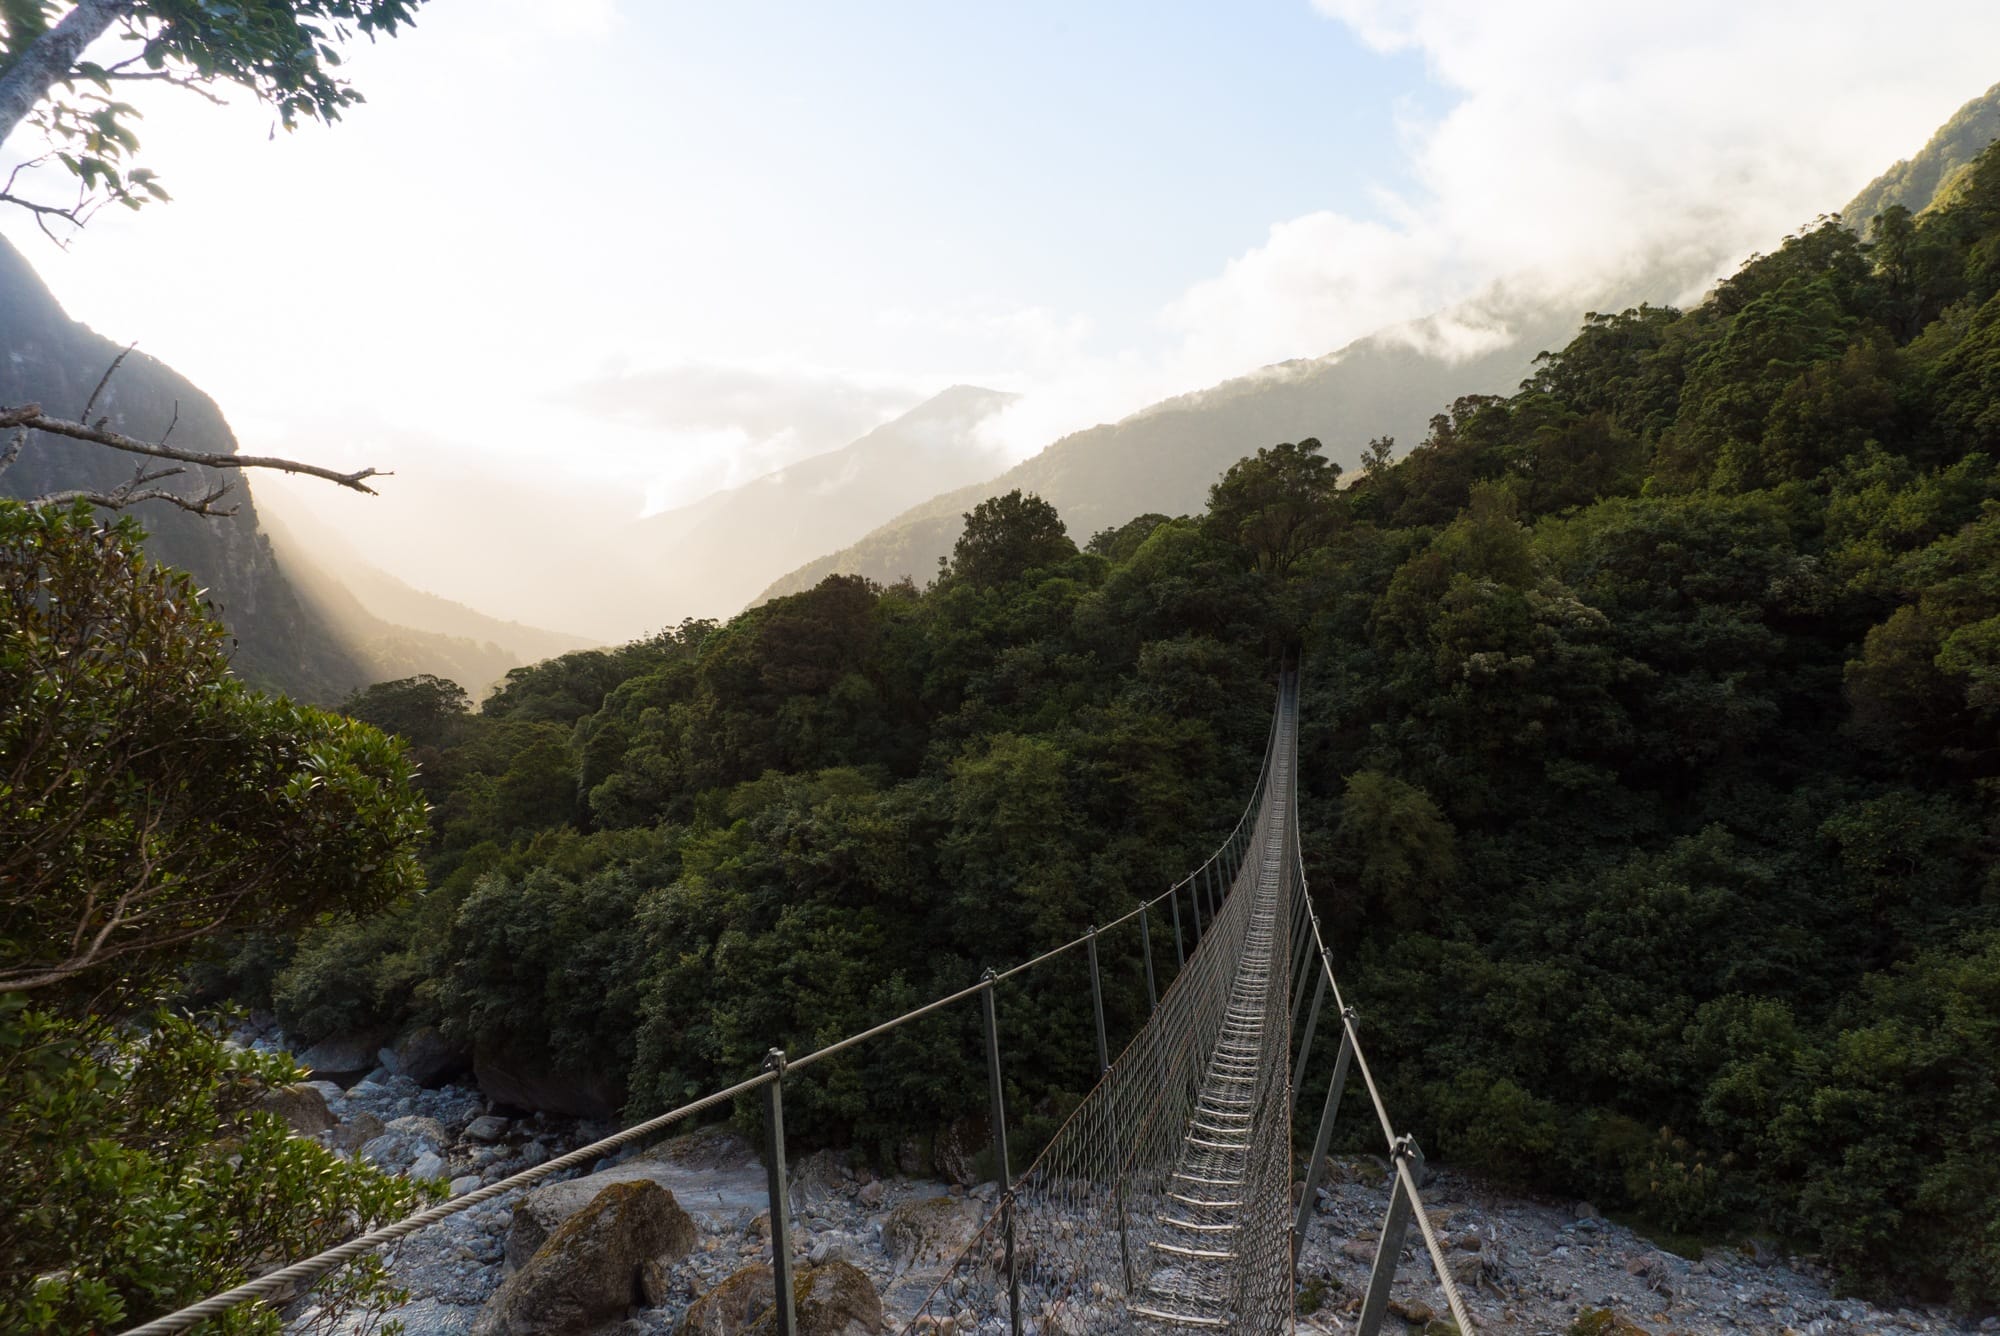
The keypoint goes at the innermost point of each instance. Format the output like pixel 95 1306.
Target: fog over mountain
pixel 714 556
pixel 1164 457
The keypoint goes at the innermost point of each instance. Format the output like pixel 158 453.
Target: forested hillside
pixel 1651 764
pixel 1163 457
pixel 1938 169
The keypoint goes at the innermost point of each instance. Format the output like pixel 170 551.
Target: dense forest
pixel 1650 751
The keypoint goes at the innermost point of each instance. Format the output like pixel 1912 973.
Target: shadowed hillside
pixel 48 358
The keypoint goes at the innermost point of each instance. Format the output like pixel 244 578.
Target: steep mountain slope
pixel 48 358
pixel 1164 458
pixel 1916 183
pixel 715 554
pixel 395 630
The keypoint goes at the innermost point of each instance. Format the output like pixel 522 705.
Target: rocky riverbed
pixel 1523 1266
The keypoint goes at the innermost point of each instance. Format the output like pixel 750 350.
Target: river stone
pixel 428 1165
pixel 819 1180
pixel 302 1107
pixel 934 1229
pixel 358 1131
pixel 593 1268
pixel 403 1141
pixel 544 1210
pixel 486 1127
pixel 343 1055
pixel 831 1300
pixel 732 1305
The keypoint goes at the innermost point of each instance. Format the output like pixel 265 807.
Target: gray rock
pixel 957 1147
pixel 403 1141
pixel 386 1059
pixel 302 1107
pixel 428 1165
pixel 819 1179
pixel 461 1185
pixel 487 1127
pixel 343 1055
pixel 358 1131
pixel 428 1058
pixel 933 1229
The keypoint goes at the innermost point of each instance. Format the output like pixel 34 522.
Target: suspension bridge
pixel 1171 1199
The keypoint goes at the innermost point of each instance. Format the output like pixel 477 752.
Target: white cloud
pixel 1593 143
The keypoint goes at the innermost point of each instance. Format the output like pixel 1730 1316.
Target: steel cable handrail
pixel 1404 1177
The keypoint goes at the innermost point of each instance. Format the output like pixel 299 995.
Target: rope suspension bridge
pixel 1167 1202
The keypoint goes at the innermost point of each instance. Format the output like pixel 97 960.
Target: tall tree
pixel 1277 503
pixel 1008 536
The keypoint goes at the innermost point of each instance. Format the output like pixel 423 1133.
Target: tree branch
pixel 32 418
pixel 49 59
pixel 104 380
pixel 164 76
pixel 130 494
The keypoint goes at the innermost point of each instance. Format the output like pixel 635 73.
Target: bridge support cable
pixel 1405 1199
pixel 1163 1202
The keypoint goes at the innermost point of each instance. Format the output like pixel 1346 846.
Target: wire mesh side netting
pixel 1163 1204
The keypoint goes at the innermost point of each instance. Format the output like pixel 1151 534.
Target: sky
pixel 604 256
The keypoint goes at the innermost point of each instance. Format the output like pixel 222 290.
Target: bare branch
pixel 105 379
pixel 13 450
pixel 32 418
pixel 114 75
pixel 135 491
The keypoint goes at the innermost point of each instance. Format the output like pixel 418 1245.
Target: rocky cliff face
pixel 50 359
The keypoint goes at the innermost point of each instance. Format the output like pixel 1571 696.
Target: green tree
pixel 1008 536
pixel 137 1175
pixel 1276 505
pixel 148 799
pixel 1402 849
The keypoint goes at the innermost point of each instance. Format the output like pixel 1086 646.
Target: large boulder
pixel 343 1056
pixel 732 1305
pixel 592 1270
pixel 302 1107
pixel 428 1058
pixel 957 1148
pixel 929 1231
pixel 527 1082
pixel 831 1300
pixel 821 1179
pixel 546 1209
